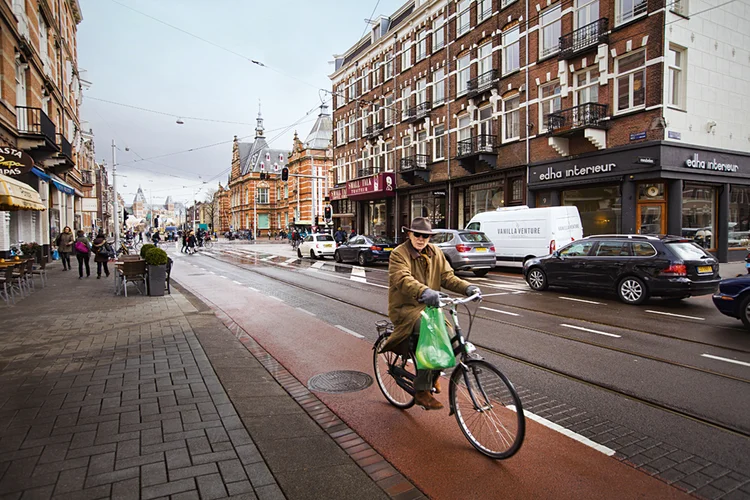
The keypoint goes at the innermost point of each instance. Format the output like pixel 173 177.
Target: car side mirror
pixel 556 254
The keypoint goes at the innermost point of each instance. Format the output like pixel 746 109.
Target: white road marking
pixel 513 287
pixel 589 330
pixel 562 430
pixel 580 300
pixel 498 311
pixel 475 278
pixel 269 257
pixel 318 265
pixel 358 279
pixel 305 311
pixel 223 277
pixel 212 272
pixel 494 294
pixel 253 289
pixel 288 261
pixel 359 272
pixel 726 359
pixel 344 329
pixel 675 315
pixel 276 298
pixel 233 281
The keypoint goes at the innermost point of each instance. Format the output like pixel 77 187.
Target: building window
pixel 263 196
pixel 365 80
pixel 376 159
pixel 43 42
pixel 464 127
pixel 630 91
pixel 406 56
pixel 352 128
pixel 699 214
pixel 463 74
pixel 626 10
pixel 587 12
pixel 421 45
pixel 739 217
pixel 405 101
pixel 600 208
pixel 586 87
pixel 439 143
pixel 388 66
pixel 438 87
pixel 550 101
pixel 550 30
pixel 485 125
pixel 484 56
pixel 388 156
pixel 676 89
pixel 422 144
pixel 421 91
pixel 388 106
pixel 484 10
pixel 340 136
pixel 406 148
pixel 516 190
pixel 679 7
pixel 511 119
pixel 438 33
pixel 353 90
pixel 463 21
pixel 431 206
pixel 340 98
pixel 511 50
pixel 376 74
pixel 505 3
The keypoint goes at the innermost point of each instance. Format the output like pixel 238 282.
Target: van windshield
pixel 474 226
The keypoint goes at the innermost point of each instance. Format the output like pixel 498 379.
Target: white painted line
pixel 675 315
pixel 562 430
pixel 590 330
pixel 726 359
pixel 318 265
pixel 269 257
pixel 236 282
pixel 498 311
pixel 253 289
pixel 494 294
pixel 212 272
pixel 580 300
pixel 276 298
pixel 476 278
pixel 359 272
pixel 358 279
pixel 305 311
pixel 288 261
pixel 223 277
pixel 343 329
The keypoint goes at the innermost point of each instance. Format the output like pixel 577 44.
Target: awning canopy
pixel 62 186
pixel 15 195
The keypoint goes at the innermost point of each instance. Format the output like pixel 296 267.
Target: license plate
pixel 328 245
pixel 481 249
pixel 705 269
pixel 387 249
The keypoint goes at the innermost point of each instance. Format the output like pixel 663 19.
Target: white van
pixel 520 233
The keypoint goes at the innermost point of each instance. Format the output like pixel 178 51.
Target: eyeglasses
pixel 421 235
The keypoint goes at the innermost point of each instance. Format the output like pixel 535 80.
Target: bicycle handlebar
pixel 446 300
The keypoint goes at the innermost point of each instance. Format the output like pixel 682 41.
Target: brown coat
pixel 410 274
pixel 65 242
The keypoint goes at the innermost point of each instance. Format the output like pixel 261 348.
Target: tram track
pixel 570 376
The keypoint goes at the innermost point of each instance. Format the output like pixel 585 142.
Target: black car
pixel 365 250
pixel 635 266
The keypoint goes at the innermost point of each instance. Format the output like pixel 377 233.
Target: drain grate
pixel 340 381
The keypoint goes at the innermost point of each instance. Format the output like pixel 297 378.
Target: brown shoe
pixel 436 385
pixel 426 401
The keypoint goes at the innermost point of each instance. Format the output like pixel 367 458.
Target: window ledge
pixel 551 55
pixel 510 73
pixel 630 111
pixel 628 22
pixel 676 108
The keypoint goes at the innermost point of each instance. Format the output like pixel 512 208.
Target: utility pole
pixel 116 207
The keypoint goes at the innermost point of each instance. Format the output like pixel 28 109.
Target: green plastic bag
pixel 434 351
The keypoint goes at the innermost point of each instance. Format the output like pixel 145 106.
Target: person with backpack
pixel 82 251
pixel 64 244
pixel 101 254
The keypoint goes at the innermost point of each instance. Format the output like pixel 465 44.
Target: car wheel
pixel 537 279
pixel 299 253
pixel 632 290
pixel 312 255
pixel 745 311
pixel 481 272
pixel 362 259
pixel 337 256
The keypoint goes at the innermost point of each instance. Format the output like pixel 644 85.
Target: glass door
pixel 651 218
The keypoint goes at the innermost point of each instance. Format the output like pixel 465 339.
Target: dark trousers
pixel 83 258
pixel 99 266
pixel 425 378
pixel 65 258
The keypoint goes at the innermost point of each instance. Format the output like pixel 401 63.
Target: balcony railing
pixel 65 148
pixel 419 111
pixel 414 162
pixel 590 35
pixel 476 145
pixel 34 121
pixel 367 172
pixel 483 82
pixel 584 115
pixel 374 129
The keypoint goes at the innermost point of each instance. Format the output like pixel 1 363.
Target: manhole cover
pixel 340 381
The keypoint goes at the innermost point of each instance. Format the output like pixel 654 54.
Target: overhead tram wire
pixel 194 118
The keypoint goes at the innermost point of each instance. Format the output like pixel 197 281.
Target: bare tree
pixel 210 208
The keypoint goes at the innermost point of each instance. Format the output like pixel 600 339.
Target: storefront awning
pixel 40 173
pixel 63 187
pixel 15 195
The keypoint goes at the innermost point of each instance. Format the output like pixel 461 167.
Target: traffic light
pixel 328 213
pixel 285 174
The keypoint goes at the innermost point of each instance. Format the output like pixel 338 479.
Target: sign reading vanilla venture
pixel 14 162
pixel 381 185
pixel 575 171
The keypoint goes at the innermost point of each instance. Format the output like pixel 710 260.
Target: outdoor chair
pixel 41 271
pixel 169 270
pixel 30 274
pixel 19 280
pixel 132 271
pixel 7 281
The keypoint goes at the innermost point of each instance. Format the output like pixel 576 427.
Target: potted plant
pixel 32 249
pixel 145 248
pixel 156 260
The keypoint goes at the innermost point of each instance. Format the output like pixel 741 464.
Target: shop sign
pixel 381 185
pixel 696 162
pixel 575 171
pixel 337 194
pixel 89 205
pixel 438 193
pixel 14 162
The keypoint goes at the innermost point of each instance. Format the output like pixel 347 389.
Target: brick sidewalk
pixel 106 396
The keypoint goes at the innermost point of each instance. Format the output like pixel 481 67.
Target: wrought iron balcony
pixel 584 38
pixel 418 112
pixel 584 115
pixel 367 172
pixel 66 149
pixel 479 144
pixel 483 82
pixel 34 121
pixel 414 162
pixel 374 129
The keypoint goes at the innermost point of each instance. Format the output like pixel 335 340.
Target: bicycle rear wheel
pixel 493 420
pixel 395 375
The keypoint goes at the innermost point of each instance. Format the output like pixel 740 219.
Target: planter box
pixel 157 278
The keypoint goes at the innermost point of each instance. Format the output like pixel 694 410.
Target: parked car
pixel 365 250
pixel 466 250
pixel 636 267
pixel 317 246
pixel 733 298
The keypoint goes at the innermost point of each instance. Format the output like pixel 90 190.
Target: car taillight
pixel 377 249
pixel 675 270
pixel 463 248
pixel 552 246
pixel 492 249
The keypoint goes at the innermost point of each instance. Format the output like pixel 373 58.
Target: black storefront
pixel 655 188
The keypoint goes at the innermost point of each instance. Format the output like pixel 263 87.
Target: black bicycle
pixel 487 407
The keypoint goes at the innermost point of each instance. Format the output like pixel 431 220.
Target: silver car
pixel 466 250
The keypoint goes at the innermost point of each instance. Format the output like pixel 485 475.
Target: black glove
pixel 472 289
pixel 430 297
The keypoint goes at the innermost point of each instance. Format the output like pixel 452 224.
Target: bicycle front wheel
pixel 395 375
pixel 137 246
pixel 487 408
pixel 209 244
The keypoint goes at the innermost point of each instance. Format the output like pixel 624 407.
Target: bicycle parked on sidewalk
pixel 128 247
pixel 485 403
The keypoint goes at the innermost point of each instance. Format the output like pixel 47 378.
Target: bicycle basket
pixel 384 327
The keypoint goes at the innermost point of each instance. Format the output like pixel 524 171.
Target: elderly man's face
pixel 419 241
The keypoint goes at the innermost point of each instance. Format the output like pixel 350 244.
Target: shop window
pixel 511 50
pixel 651 191
pixel 630 91
pixel 483 197
pixel 739 217
pixel 676 85
pixel 430 206
pixel 699 214
pixel 516 190
pixel 550 31
pixel 600 208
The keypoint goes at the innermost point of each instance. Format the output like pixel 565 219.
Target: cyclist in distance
pixel 416 272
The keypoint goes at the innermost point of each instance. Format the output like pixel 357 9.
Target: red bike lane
pixel 426 447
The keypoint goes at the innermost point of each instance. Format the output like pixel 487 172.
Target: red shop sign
pixel 381 185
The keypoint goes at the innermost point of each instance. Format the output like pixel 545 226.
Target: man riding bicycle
pixel 416 272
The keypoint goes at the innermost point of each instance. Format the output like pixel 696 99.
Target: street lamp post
pixel 116 207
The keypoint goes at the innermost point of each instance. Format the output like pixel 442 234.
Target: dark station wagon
pixel 636 267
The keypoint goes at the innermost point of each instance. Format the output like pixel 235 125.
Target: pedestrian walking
pixel 184 242
pixel 352 234
pixel 156 238
pixel 339 236
pixel 64 244
pixel 191 243
pixel 101 255
pixel 82 251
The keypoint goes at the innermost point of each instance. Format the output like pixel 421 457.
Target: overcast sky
pixel 132 59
